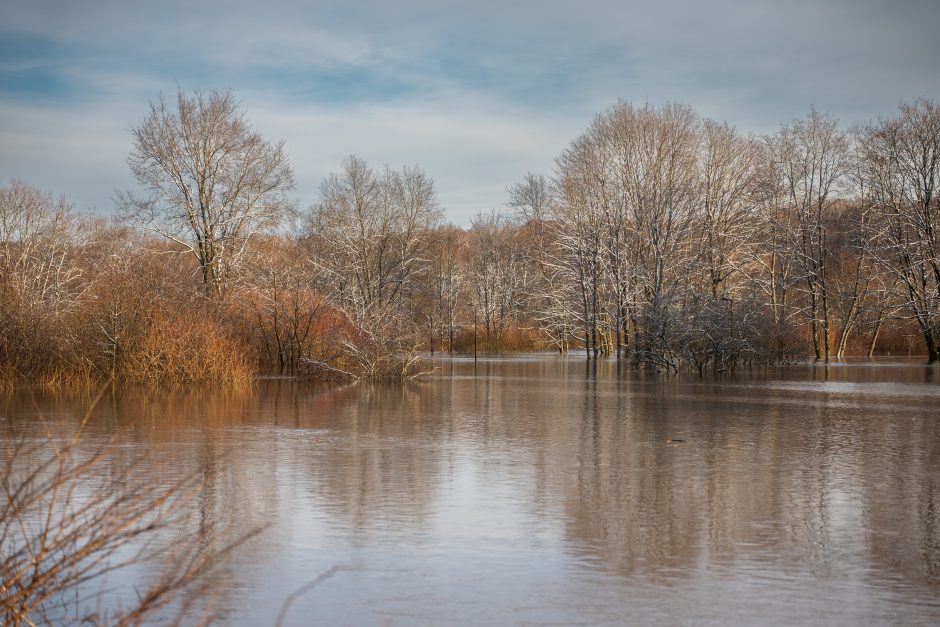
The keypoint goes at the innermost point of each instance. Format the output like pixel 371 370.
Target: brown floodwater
pixel 546 491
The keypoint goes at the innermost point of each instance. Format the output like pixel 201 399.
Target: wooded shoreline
pixel 663 238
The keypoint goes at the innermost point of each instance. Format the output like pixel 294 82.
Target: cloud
pixel 476 93
pixel 78 153
pixel 473 149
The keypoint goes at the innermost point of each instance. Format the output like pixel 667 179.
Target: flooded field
pixel 544 491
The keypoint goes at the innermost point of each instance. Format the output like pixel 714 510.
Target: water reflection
pixel 542 490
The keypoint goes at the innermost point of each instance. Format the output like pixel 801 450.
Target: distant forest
pixel 662 238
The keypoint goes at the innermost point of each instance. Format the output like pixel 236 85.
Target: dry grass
pixel 187 350
pixel 7 379
pixel 81 378
pixel 513 340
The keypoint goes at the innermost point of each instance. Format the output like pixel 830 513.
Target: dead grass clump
pixel 7 378
pixel 512 340
pixel 184 350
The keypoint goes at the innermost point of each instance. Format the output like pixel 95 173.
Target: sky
pixel 475 93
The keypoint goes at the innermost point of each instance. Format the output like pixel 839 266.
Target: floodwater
pixel 544 491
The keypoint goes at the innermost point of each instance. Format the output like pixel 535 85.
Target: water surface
pixel 546 491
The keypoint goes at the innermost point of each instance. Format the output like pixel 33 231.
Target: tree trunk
pixel 874 337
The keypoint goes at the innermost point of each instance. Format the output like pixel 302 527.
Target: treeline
pixel 666 239
pixel 678 241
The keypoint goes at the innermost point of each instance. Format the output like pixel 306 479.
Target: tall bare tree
pixel 811 158
pixel 369 230
pixel 497 272
pixel 769 265
pixel 446 285
pixel 551 299
pixel 628 191
pixel 211 181
pixel 902 166
pixel 580 218
pixel 369 236
pixel 726 220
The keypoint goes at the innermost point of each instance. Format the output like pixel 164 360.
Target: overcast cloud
pixel 475 93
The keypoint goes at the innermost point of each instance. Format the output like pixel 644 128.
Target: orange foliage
pixel 187 349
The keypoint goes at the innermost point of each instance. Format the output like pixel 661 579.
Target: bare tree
pixel 550 295
pixel 769 263
pixel 857 275
pixel 628 194
pixel 902 167
pixel 811 158
pixel 580 219
pixel 211 180
pixel 370 231
pixel 726 220
pixel 36 235
pixel 369 236
pixel 40 279
pixel 497 272
pixel 289 320
pixel 446 285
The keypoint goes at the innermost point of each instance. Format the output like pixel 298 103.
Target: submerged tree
pixel 369 237
pixel 628 195
pixel 901 156
pixel 810 156
pixel 550 301
pixel 498 279
pixel 211 180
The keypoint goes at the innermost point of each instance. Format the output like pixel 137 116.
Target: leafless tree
pixel 40 279
pixel 859 285
pixel 902 167
pixel 628 195
pixel 727 218
pixel 447 285
pixel 288 319
pixel 497 272
pixel 369 231
pixel 36 236
pixel 211 181
pixel 369 237
pixel 550 293
pixel 811 158
pixel 580 233
pixel 769 264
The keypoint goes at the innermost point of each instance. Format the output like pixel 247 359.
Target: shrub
pixel 187 349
